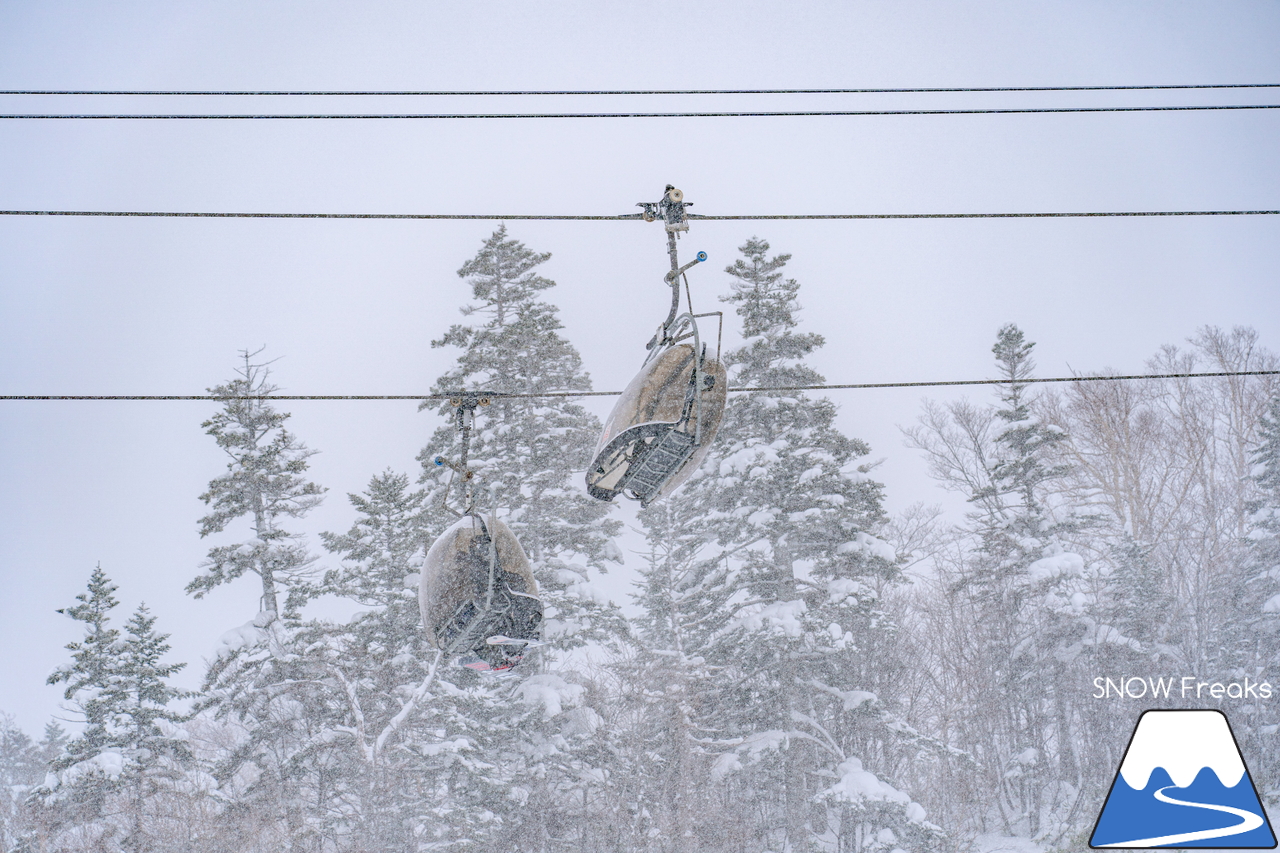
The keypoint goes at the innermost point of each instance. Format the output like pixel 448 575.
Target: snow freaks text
pixel 1180 687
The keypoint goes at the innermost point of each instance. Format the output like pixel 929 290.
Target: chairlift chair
pixel 661 428
pixel 477 593
pixel 476 586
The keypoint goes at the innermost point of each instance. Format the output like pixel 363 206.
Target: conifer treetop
pixel 517 347
pixel 91 677
pixel 263 484
pixel 528 454
pixel 95 602
pixel 143 649
pixel 765 301
pixel 501 275
pixel 772 351
pixel 263 476
pixel 1023 444
pixel 383 545
pixel 93 657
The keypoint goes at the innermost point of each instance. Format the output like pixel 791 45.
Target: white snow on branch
pixel 550 691
pixel 783 616
pixel 851 699
pixel 863 543
pixel 858 786
pixel 1059 565
pixel 248 635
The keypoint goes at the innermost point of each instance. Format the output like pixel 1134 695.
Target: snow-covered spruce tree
pixel 666 694
pixel 264 484
pixel 1261 595
pixel 537 731
pixel 23 765
pixel 1022 605
pixel 27 818
pixel 91 676
pixel 258 680
pixel 1264 516
pixel 111 781
pixel 528 449
pixel 798 709
pixel 1253 589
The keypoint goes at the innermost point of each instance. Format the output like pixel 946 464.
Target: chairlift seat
pixel 651 441
pixel 461 611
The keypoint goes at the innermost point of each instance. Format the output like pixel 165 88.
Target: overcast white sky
pixel 117 306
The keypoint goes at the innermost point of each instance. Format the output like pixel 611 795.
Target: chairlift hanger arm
pixel 671 210
pixel 464 404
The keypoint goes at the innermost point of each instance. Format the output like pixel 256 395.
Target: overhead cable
pixel 633 216
pixel 776 388
pixel 539 92
pixel 550 394
pixel 698 114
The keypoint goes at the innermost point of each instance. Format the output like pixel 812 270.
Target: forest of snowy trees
pixel 798 669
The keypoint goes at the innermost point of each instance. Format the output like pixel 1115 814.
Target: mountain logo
pixel 1182 783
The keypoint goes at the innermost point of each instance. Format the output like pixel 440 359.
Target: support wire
pixel 697 114
pixel 551 394
pixel 156 214
pixel 539 92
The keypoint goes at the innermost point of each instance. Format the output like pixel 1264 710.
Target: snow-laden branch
pixel 851 699
pixel 403 713
pixel 826 740
pixel 356 711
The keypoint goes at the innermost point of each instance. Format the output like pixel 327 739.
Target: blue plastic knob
pixel 702 256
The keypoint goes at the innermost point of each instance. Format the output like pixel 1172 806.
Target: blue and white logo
pixel 1183 783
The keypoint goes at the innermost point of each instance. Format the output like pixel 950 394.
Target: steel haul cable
pixel 549 394
pixel 701 114
pixel 632 216
pixel 541 92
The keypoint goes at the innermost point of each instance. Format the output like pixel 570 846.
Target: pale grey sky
pixel 94 306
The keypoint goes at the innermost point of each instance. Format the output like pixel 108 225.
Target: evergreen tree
pixel 1016 526
pixel 21 763
pixel 1020 585
pixel 112 775
pixel 1259 598
pixel 155 753
pixel 529 450
pixel 92 676
pixel 144 678
pixel 800 572
pixel 22 768
pixel 264 483
pixel 382 549
pixel 1134 603
pixel 1264 527
pixel 667 687
pixel 532 452
pixel 52 743
pixel 1027 575
pixel 261 677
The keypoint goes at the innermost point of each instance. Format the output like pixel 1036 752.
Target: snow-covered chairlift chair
pixel 477 593
pixel 661 428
